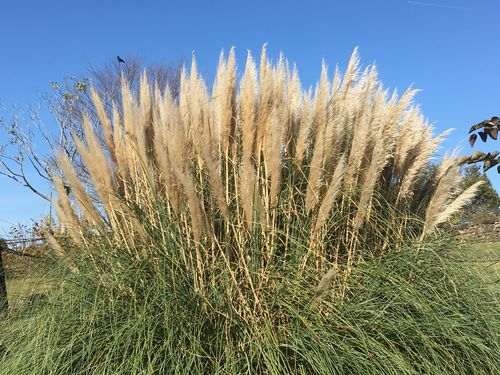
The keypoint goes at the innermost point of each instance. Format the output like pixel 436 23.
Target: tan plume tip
pixel 323 287
pixel 465 197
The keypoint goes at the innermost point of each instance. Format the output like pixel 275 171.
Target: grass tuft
pixel 408 312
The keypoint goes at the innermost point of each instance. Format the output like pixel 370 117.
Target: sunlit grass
pixel 407 312
pixel 484 257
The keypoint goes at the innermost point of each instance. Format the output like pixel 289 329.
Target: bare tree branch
pixel 69 102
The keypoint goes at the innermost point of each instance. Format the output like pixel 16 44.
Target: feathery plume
pixel 330 195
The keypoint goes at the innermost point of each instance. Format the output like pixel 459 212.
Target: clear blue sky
pixel 448 48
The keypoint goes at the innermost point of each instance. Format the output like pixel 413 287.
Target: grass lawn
pixel 19 288
pixel 485 256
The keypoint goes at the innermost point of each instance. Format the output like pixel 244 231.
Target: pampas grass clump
pixel 343 166
pixel 221 228
pixel 258 174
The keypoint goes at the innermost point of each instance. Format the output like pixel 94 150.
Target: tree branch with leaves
pixel 485 129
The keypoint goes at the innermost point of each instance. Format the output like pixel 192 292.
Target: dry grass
pixel 252 172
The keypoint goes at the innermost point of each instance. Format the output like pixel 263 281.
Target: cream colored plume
pixel 255 153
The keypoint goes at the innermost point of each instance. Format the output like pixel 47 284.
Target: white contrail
pixel 436 5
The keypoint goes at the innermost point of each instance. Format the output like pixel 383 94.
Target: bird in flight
pixel 120 60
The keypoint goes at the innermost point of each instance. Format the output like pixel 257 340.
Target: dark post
pixel 4 302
